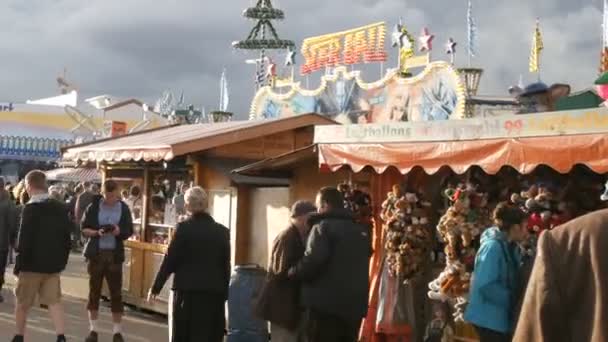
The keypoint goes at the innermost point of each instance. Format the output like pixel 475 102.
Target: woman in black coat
pixel 199 258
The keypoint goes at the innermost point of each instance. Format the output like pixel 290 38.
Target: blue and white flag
pixel 181 101
pixel 605 25
pixel 224 97
pixel 471 32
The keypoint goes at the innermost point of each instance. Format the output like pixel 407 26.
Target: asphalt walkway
pixel 137 326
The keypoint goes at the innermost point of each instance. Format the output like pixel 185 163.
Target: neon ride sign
pixel 361 45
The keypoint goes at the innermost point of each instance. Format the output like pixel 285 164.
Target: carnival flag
pixel 605 25
pixel 537 47
pixel 181 101
pixel 224 97
pixel 471 33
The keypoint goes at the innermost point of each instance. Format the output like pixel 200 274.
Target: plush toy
pixel 458 228
pixel 361 204
pixel 604 196
pixel 408 238
pixel 544 213
pixel 389 206
pixel 538 97
pixel 452 284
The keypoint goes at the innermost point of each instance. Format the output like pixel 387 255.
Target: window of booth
pixel 131 185
pixel 166 203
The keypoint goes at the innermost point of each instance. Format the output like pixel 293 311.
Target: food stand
pixel 422 154
pixel 161 160
pixel 559 140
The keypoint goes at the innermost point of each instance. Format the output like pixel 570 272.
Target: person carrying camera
pixel 107 222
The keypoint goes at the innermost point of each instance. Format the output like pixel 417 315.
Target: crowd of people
pixel 318 278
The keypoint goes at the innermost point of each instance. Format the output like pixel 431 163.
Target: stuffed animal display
pixel 408 237
pixel 462 224
pixel 357 201
pixel 546 210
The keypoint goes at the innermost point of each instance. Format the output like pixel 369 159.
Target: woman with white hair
pixel 199 258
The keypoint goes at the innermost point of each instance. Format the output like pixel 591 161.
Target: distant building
pixel 32 134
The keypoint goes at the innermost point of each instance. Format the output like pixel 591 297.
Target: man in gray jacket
pixel 8 230
pixel 334 272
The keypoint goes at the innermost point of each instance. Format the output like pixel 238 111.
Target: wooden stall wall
pixel 307 180
pixel 224 205
pixel 269 215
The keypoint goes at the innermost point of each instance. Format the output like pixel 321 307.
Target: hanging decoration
pixel 398 37
pixel 426 40
pixel 405 42
pixel 290 58
pixel 450 49
pixel 464 221
pixel 601 85
pixel 392 98
pixel 358 202
pixel 407 233
pixel 271 69
pixel 537 47
pixel 263 13
pixel 361 45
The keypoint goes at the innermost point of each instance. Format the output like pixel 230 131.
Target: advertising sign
pixel 586 121
pixel 361 45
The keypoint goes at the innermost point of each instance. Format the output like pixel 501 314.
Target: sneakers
pixel 1 298
pixel 61 338
pixel 118 338
pixel 92 337
pixel 18 338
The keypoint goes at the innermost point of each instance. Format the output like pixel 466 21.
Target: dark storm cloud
pixel 141 47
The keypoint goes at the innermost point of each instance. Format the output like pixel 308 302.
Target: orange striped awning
pixel 523 154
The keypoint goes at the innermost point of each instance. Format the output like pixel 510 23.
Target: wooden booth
pixel 571 144
pixel 161 161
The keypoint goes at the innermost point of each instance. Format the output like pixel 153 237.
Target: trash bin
pixel 245 287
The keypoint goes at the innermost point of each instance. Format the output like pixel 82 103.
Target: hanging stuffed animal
pixel 408 238
pixel 463 222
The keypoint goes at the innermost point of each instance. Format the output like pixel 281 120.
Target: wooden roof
pixel 280 165
pixel 168 142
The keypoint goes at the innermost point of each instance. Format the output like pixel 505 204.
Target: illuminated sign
pixel 361 45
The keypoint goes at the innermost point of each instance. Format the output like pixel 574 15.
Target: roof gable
pixel 167 143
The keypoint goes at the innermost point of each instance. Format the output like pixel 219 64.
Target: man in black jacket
pixel 8 229
pixel 43 248
pixel 279 302
pixel 334 272
pixel 107 223
pixel 199 259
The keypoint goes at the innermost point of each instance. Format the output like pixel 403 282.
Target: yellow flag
pixel 537 46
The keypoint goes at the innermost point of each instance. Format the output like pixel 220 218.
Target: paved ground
pixel 138 326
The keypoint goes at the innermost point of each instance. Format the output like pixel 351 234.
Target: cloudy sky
pixel 139 48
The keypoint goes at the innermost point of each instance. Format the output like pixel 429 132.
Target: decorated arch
pixel 436 93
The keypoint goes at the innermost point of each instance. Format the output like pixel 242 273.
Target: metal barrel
pixel 245 286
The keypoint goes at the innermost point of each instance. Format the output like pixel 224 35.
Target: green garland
pixel 256 44
pixel 263 13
